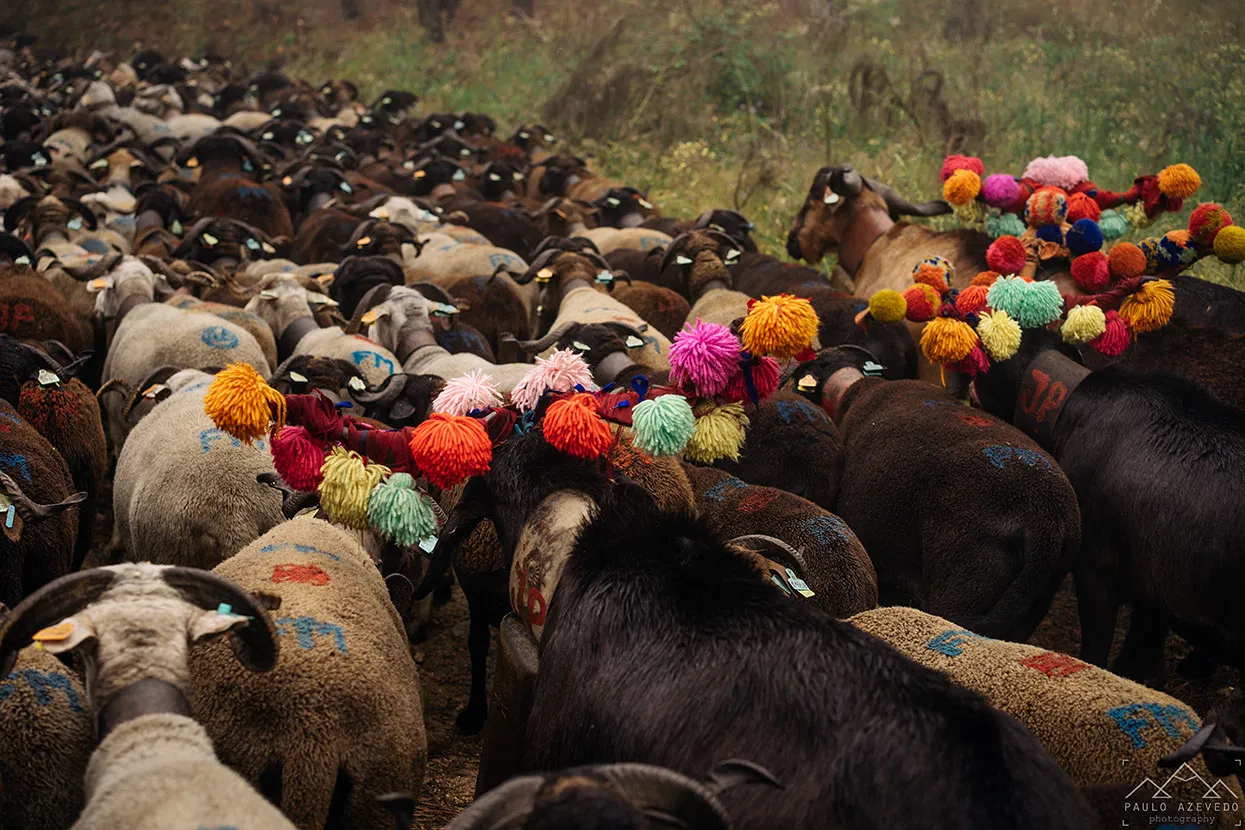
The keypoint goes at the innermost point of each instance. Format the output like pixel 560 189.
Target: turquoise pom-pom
pixel 397 511
pixel 1113 225
pixel 1004 224
pixel 1040 303
pixel 1005 294
pixel 663 425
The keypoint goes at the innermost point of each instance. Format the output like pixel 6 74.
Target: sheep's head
pixel 702 257
pixel 357 275
pixel 623 207
pixel 401 400
pixel 378 237
pixel 302 373
pixel 529 137
pixel 501 179
pixel 476 124
pixel 224 242
pixel 730 222
pixel 558 263
pixel 281 298
pixel 435 176
pixel 136 622
pixel 49 215
pixel 113 280
pixel 404 310
pixel 560 173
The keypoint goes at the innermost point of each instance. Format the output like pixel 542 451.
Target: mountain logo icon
pixel 1149 789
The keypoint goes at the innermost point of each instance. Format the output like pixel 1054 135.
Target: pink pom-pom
pixel 704 357
pixel 1115 339
pixel 465 393
pixel 1060 171
pixel 561 371
pixel 957 162
pixel 1000 190
pixel 764 380
pixel 976 363
pixel 298 458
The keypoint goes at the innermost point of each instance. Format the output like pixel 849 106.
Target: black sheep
pixel 1157 464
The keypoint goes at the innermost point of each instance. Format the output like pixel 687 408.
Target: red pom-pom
pixel 574 426
pixel 451 448
pixel 1092 271
pixel 298 458
pixel 976 363
pixel 1007 255
pixel 1047 206
pixel 1081 206
pixel 1206 222
pixel 922 302
pixel 765 376
pixel 1126 260
pixel 957 162
pixel 1115 339
pixel 972 299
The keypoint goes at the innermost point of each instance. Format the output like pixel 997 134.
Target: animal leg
pixel 471 719
pixel 1097 599
pixel 1141 658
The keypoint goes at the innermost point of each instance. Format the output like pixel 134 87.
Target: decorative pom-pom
pixel 971 214
pixel 1136 216
pixel 1000 190
pixel 764 375
pixel 298 458
pixel 1084 323
pixel 1041 303
pixel 720 432
pixel 1006 255
pixel 782 326
pixel 241 403
pixel 574 426
pixel 975 363
pixel 986 278
pixel 972 299
pixel 1051 233
pixel 1126 260
pixel 1206 222
pixel 1149 307
pixel 887 306
pixel 450 448
pixel 1179 181
pixel 662 425
pixel 955 162
pixel 1174 250
pixel 1150 248
pixel 1092 271
pixel 1005 294
pixel 1113 224
pixel 922 302
pixel 1000 334
pixel 1004 224
pixel 962 187
pixel 1230 244
pixel 1083 237
pixel 1059 171
pixel 466 393
pixel 346 483
pixel 947 340
pixel 1081 206
pixel 936 272
pixel 704 357
pixel 1115 336
pixel 561 371
pixel 1047 206
pixel 399 512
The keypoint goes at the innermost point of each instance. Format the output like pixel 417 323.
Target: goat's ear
pixel 66 635
pixel 268 602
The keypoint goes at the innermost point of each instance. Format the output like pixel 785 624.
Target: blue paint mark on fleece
pixel 360 359
pixel 219 337
pixel 811 413
pixel 247 192
pixel 951 641
pixel 307 628
pixel 999 455
pixel 828 528
pixel 207 436
pixel 15 461
pixel 1134 717
pixel 42 684
pixel 509 260
pixel 298 549
pixel 9 416
pixel 718 491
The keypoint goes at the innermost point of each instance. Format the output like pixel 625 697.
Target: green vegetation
pixel 710 102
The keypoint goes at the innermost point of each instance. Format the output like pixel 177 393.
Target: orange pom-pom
pixel 1126 260
pixel 575 427
pixel 986 278
pixel 922 302
pixel 972 299
pixel 1179 181
pixel 1081 206
pixel 451 448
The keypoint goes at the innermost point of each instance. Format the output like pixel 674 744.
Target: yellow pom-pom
pixel 999 333
pixel 346 485
pixel 888 306
pixel 1084 323
pixel 1149 307
pixel 720 432
pixel 1179 181
pixel 241 403
pixel 971 215
pixel 1230 244
pixel 947 340
pixel 782 326
pixel 961 187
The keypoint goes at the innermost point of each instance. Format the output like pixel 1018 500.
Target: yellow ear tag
pixel 807 383
pixel 419 174
pixel 153 390
pixel 325 280
pixel 98 284
pixel 287 181
pixel 364 242
pixel 369 318
pixel 192 162
pixel 55 634
pixel 544 275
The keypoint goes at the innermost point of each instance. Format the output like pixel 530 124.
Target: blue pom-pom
pixel 1050 233
pixel 1084 237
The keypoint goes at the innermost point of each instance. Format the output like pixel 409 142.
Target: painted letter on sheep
pixel 306 629
pixel 1132 718
pixel 219 337
pixel 42 684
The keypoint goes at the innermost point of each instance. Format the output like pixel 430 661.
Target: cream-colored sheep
pixel 590 305
pixel 614 239
pixel 241 317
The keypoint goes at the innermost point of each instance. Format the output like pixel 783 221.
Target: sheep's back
pixel 723 307
pixel 587 305
pixel 374 360
pixel 240 317
pixel 155 335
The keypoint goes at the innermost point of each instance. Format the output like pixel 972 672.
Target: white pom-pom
pixel 465 393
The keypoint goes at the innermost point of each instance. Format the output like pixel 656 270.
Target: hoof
pixel 471 721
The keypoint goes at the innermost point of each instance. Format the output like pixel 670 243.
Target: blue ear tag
pixel 247 166
pixel 224 608
pixel 252 245
pixel 8 516
pixel 781 585
pixel 604 277
pixel 345 188
pixel 873 370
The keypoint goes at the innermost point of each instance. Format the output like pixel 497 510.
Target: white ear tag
pixel 518 177
pixel 209 240
pixel 493 177
pixel 458 125
pixel 268 294
pixel 297 378
pixel 831 197
pixel 807 383
pixel 583 347
pixel 346 188
pixel 682 260
pixel 356 384
pixel 47 378
pixel 176 227
pixel 647 205
pixel 634 342
pixel 408 165
pixel 732 255
pixel 459 175
pixel 268 249
pixel 544 275
pixel 100 165
pixel 267 136
pixel 525 135
pixel 604 277
pixel 612 202
pixel 75 224
pixel 549 138
pixel 428 545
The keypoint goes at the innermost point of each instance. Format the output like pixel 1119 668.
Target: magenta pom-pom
pixel 1059 171
pixel 1000 190
pixel 1115 339
pixel 765 376
pixel 298 458
pixel 704 357
pixel 976 363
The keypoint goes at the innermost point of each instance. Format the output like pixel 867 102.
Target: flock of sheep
pixel 330 360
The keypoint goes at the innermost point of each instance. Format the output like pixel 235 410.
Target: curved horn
pixel 672 250
pixel 899 206
pixel 82 210
pixel 18 210
pixel 661 791
pixel 704 219
pixel 159 375
pixel 540 262
pixel 553 336
pixel 501 806
pixel 47 606
pixel 32 510
pixel 374 297
pixel 255 646
pixel 96 269
pixel 545 208
pixel 386 393
pixel 13 247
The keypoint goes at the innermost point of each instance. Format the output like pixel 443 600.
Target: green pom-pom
pixel 1040 303
pixel 397 511
pixel 1005 294
pixel 1004 224
pixel 663 425
pixel 1113 225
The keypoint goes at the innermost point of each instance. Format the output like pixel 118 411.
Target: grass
pixel 713 103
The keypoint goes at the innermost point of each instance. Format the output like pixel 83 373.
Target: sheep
pixel 133 625
pixel 37 543
pixel 285 305
pixel 495 305
pixel 47 736
pixel 702 257
pixel 66 413
pixel 1155 461
pixel 463 260
pixel 1106 732
pixel 351 726
pixel 658 630
pixel 831 560
pixel 186 493
pixel 963 515
pixel 664 309
pixel 613 239
pixel 606 348
pixel 31 310
pixel 224 188
pixel 245 319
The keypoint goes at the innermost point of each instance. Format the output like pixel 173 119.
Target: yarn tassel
pixel 1115 336
pixel 783 326
pixel 574 426
pixel 451 448
pixel 663 425
pixel 241 403
pixel 720 433
pixel 298 458
pixel 1084 323
pixel 1150 307
pixel 400 512
pixel 947 340
pixel 703 357
pixel 347 481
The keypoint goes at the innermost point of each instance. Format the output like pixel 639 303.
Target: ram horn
pixel 48 606
pixel 383 394
pixel 17 211
pixel 502 807
pixel 553 336
pixel 255 646
pixel 899 206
